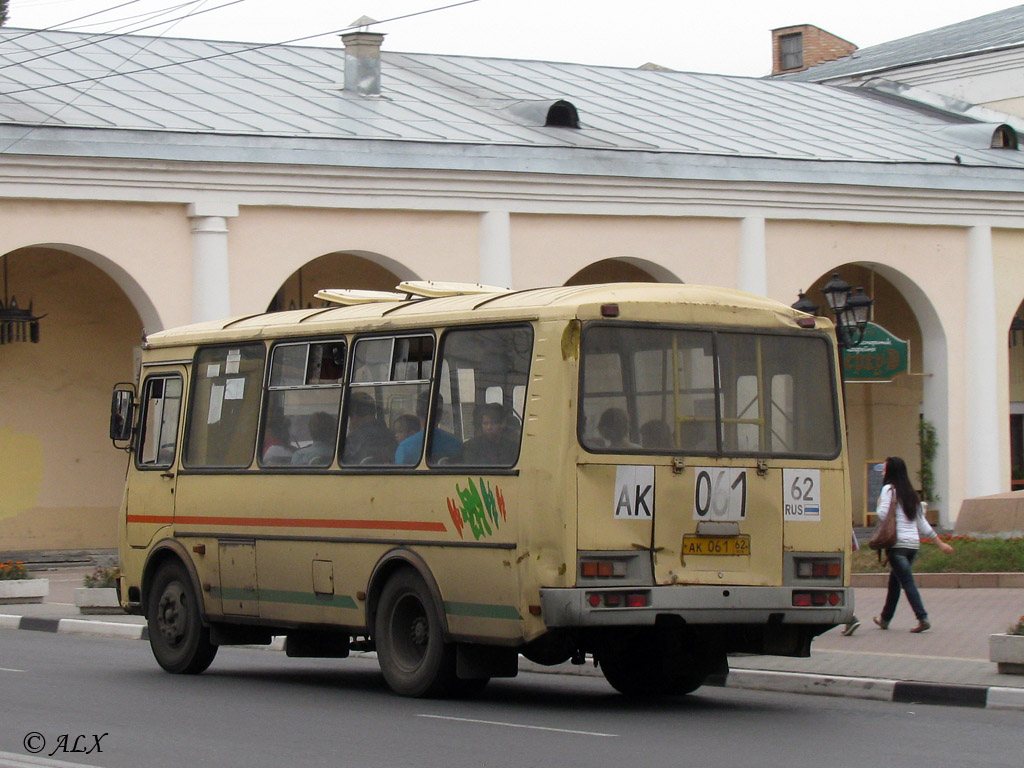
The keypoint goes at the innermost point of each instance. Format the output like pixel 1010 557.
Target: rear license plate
pixel 716 545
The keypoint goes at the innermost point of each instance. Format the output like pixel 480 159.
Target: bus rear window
pixel 662 390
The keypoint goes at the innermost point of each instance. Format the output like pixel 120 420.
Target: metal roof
pixel 77 94
pixel 992 31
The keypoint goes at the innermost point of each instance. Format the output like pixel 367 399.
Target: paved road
pixel 258 708
pixel 952 658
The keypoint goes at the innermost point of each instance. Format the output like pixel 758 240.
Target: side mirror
pixel 122 412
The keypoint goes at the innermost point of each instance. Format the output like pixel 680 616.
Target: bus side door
pixel 150 503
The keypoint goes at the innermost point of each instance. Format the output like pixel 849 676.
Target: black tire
pixel 180 642
pixel 410 643
pixel 653 667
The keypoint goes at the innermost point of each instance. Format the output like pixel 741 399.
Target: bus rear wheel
pixel 180 642
pixel 411 650
pixel 654 666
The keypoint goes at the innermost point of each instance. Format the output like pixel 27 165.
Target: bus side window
pixel 387 400
pixel 223 411
pixel 482 385
pixel 161 406
pixel 303 403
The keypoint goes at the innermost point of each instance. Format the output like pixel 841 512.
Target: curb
pixel 876 689
pixel 945 580
pixel 116 629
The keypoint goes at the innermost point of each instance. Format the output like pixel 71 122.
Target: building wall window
pixel 791 50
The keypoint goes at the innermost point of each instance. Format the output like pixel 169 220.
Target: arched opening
pixel 885 412
pixel 60 479
pixel 348 269
pixel 622 270
pixel 1016 367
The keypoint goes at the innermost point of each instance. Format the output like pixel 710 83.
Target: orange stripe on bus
pixel 285 522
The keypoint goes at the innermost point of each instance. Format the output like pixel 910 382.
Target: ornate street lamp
pixel 851 312
pixel 16 324
pixel 803 304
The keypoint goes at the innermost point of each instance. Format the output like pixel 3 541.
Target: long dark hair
pixel 896 476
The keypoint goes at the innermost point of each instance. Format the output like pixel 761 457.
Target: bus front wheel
pixel 180 642
pixel 411 650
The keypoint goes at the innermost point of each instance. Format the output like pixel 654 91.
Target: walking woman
pixel 898 497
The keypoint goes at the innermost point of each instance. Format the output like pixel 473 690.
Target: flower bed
pixel 18 586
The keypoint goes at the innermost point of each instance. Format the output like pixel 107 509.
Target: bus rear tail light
pixel 602 569
pixel 818 598
pixel 618 599
pixel 824 568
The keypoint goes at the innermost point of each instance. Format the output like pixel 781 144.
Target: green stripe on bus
pixel 482 610
pixel 285 596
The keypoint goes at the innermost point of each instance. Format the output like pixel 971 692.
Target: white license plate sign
pixel 720 493
pixel 801 495
pixel 634 493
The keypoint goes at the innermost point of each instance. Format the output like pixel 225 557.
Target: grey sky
pixel 719 37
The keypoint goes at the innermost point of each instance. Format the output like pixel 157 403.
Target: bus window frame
pixel 463 466
pixel 350 387
pixel 187 414
pixel 715 330
pixel 145 401
pixel 267 387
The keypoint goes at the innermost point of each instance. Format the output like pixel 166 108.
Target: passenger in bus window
pixel 321 450
pixel 443 445
pixel 276 441
pixel 492 445
pixel 614 428
pixel 655 435
pixel 405 426
pixel 368 441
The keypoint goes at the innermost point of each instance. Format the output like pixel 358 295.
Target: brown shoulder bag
pixel 884 535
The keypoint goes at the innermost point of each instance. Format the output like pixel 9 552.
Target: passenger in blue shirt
pixel 443 445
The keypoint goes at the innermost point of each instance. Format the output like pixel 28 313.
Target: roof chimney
pixel 362 59
pixel 803 46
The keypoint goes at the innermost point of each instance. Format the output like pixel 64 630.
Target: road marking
pixel 8 669
pixel 904 655
pixel 12 760
pixel 519 725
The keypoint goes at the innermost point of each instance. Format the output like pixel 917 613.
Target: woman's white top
pixel 908 532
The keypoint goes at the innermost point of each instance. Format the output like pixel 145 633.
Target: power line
pixel 246 49
pixel 92 37
pixel 93 84
pixel 72 21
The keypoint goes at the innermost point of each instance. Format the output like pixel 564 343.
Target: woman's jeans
pixel 900 560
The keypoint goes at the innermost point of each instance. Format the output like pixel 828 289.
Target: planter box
pixel 23 590
pixel 1007 651
pixel 97 600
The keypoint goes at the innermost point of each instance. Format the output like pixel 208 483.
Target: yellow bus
pixel 652 476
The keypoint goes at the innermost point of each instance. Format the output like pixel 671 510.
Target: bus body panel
pixel 574 540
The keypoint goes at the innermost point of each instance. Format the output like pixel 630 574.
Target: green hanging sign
pixel 879 357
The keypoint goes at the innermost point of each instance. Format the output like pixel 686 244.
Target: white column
pixel 981 359
pixel 496 249
pixel 752 266
pixel 211 290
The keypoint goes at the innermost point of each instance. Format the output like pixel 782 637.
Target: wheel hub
pixel 420 631
pixel 170 616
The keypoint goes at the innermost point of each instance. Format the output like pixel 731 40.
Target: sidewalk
pixel 946 665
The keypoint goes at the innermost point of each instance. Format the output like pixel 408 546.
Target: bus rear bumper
pixel 705 605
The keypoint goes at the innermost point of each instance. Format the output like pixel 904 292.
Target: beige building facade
pixel 104 272
pixel 112 234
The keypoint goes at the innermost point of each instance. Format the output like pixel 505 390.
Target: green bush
pixel 970 555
